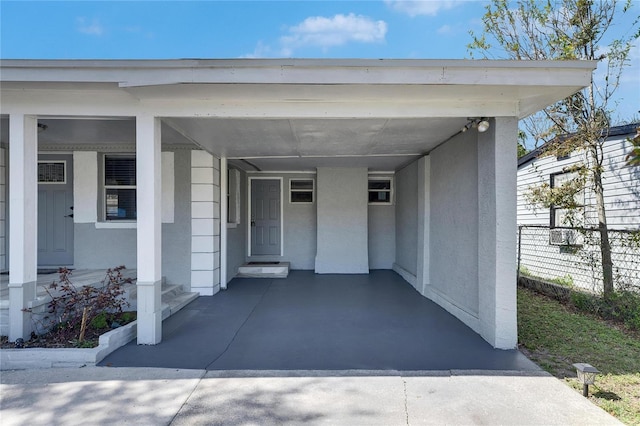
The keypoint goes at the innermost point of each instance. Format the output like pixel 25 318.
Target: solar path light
pixel 586 375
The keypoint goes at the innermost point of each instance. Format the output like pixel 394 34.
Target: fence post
pixel 519 249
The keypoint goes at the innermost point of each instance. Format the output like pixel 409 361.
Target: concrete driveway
pixel 318 322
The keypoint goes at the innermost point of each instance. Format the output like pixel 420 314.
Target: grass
pixel 556 336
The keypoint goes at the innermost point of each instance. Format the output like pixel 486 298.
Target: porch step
pixel 173 298
pixel 264 270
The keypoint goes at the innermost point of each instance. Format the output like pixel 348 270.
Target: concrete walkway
pixel 318 322
pixel 153 396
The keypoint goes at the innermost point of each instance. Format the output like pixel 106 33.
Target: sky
pixel 258 29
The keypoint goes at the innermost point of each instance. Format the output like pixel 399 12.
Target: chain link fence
pixel 571 257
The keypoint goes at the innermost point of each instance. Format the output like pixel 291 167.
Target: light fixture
pixel 586 375
pixel 483 125
pixel 42 127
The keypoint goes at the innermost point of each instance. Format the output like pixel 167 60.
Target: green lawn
pixel 555 337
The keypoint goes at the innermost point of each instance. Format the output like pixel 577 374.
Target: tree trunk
pixel 605 245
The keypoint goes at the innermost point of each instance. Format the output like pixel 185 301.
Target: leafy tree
pixel 566 30
pixel 633 158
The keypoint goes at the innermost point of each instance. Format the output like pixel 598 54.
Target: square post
pixel 497 166
pixel 149 229
pixel 23 216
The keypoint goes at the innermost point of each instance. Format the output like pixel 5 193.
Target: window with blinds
pixel 120 187
pixel 301 191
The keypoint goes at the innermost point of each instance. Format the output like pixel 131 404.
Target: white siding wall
pixel 3 206
pixel 621 187
pixel 205 223
pixel 622 202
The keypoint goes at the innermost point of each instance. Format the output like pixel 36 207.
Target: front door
pixel 265 217
pixel 55 210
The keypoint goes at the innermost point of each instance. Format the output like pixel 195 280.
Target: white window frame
pixel 391 190
pixel 233 198
pixel 104 188
pixel 64 162
pixel 312 190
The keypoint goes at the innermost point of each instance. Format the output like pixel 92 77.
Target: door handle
pixel 253 223
pixel 69 215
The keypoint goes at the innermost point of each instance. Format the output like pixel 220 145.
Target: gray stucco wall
pixel 105 248
pixel 382 236
pixel 406 234
pixel 454 221
pixel 299 221
pixel 237 237
pixel 342 210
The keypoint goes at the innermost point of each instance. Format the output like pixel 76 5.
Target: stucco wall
pixel 342 210
pixel 382 236
pixel 104 248
pixel 454 221
pixel 406 218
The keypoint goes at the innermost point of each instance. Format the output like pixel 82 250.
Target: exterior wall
pixel 406 239
pixel 454 222
pixel 382 236
pixel 621 187
pixel 205 223
pixel 299 221
pixel 342 208
pixel 117 246
pixel 622 203
pixel 3 209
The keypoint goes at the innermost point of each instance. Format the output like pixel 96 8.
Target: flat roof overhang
pixel 280 109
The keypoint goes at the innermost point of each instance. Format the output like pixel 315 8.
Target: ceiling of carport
pixel 304 144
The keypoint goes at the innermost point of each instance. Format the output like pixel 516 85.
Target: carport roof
pixel 294 113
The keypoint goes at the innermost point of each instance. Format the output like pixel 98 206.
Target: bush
pixel 622 306
pixel 72 309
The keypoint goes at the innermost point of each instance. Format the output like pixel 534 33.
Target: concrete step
pixel 264 270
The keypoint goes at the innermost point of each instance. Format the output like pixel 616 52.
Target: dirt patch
pixel 67 337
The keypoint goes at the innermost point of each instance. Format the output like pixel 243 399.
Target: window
pixel 301 191
pixel 52 172
pixel 563 216
pixel 233 197
pixel 120 187
pixel 380 191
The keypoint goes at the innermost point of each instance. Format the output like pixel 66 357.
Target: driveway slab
pixel 318 322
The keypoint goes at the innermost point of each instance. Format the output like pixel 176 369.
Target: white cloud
pixel 338 30
pixel 422 7
pixel 92 28
pixel 261 51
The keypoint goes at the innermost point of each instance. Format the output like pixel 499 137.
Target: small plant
pixel 73 309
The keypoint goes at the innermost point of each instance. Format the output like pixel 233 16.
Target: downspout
pixel 224 189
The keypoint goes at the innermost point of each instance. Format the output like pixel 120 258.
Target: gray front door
pixel 265 217
pixel 55 210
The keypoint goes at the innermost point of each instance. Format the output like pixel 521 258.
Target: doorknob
pixel 253 223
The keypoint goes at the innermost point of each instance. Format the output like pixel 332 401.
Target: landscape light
pixel 586 375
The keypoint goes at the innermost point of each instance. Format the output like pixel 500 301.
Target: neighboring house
pixel 621 184
pixel 187 169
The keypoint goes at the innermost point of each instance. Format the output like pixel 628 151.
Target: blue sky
pixel 234 29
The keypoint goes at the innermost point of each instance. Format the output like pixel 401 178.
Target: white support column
pixel 224 189
pixel 149 229
pixel 497 233
pixel 23 216
pixel 424 223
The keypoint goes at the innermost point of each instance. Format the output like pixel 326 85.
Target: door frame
pixel 249 194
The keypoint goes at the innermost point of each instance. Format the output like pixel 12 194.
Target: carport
pixel 184 216
pixel 318 322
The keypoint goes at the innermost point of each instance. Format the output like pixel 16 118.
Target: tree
pixel 633 158
pixel 566 30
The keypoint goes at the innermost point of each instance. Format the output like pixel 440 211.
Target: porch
pixel 318 322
